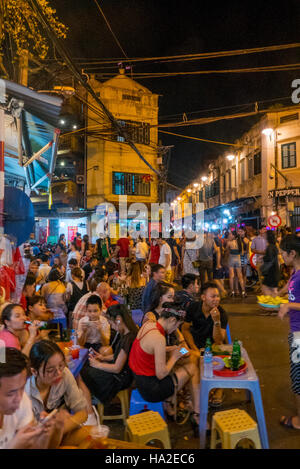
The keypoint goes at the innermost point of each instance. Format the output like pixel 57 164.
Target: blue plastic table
pixel 75 366
pixel 248 381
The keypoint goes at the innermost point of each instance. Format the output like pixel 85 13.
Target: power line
pixel 64 54
pixel 271 68
pixel 199 56
pixel 109 27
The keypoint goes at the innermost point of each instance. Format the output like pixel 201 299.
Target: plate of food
pixel 227 371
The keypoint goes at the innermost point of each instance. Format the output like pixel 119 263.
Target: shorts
pixel 153 389
pixel 294 367
pixel 219 274
pixel 234 261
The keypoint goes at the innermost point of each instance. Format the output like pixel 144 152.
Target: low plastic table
pixel 248 381
pixel 75 366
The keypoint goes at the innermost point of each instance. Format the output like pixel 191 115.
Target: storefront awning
pixel 36 129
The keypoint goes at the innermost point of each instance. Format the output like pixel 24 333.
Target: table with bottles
pixel 248 381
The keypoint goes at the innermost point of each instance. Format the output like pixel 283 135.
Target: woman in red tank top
pixel 154 374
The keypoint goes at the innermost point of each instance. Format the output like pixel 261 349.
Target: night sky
pixel 148 28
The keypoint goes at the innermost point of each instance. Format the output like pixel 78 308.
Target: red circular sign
pixel 253 260
pixel 274 221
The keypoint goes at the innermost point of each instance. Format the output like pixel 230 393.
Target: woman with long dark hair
pixel 105 376
pixel 270 268
pixel 52 386
pixel 235 249
pixel 162 293
pixel 156 375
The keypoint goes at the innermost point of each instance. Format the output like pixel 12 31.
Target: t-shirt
pixel 172 243
pixel 65 392
pixel 123 244
pixel 12 423
pixel 259 244
pixel 202 327
pixel 294 297
pixel 93 335
pixel 9 339
pixel 142 249
pixel 164 251
pixel 207 250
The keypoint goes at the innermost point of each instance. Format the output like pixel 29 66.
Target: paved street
pixel 265 338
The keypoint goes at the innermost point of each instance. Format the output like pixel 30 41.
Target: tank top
pixel 141 362
pixel 77 294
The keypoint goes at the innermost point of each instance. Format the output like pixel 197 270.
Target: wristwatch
pixel 217 323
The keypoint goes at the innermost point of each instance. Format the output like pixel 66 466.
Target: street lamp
pixel 204 178
pixel 230 157
pixel 268 132
pixel 178 198
pixel 196 184
pixel 189 190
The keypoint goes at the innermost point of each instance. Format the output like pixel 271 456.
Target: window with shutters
pixel 130 184
pixel 288 155
pixel 243 175
pixel 250 168
pixel 257 163
pixel 138 132
pixel 229 179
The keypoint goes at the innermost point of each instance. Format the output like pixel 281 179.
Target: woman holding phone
pixel 158 378
pixel 52 386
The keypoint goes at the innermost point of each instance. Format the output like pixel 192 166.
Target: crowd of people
pixel 93 288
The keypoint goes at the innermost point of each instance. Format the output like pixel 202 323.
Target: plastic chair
pixel 137 316
pixel 123 397
pixel 119 299
pixel 138 405
pixel 233 426
pixel 142 428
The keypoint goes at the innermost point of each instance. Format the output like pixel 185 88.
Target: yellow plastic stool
pixel 146 426
pixel 233 426
pixel 123 397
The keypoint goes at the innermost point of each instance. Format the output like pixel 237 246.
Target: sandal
pixel 287 422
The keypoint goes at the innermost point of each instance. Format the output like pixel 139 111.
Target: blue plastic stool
pixel 137 316
pixel 119 299
pixel 62 321
pixel 138 405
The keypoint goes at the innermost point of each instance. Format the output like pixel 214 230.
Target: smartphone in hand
pixel 183 351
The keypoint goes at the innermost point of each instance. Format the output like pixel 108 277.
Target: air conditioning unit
pixel 80 179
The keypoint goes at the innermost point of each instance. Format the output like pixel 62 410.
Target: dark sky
pixel 147 28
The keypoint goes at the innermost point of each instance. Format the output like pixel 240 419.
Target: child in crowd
pixel 93 329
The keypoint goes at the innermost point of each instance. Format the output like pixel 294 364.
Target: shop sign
pixel 72 230
pixel 284 192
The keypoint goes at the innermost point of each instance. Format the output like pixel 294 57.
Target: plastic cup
pixel 99 434
pixel 75 352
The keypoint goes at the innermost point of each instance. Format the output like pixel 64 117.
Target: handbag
pixel 195 264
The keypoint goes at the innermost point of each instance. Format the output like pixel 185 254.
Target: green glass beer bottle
pixel 236 355
pixel 208 344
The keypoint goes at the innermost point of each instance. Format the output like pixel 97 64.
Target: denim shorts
pixel 234 261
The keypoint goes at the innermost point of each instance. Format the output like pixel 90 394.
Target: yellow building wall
pixel 104 156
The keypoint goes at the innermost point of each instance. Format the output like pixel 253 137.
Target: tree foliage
pixel 20 24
